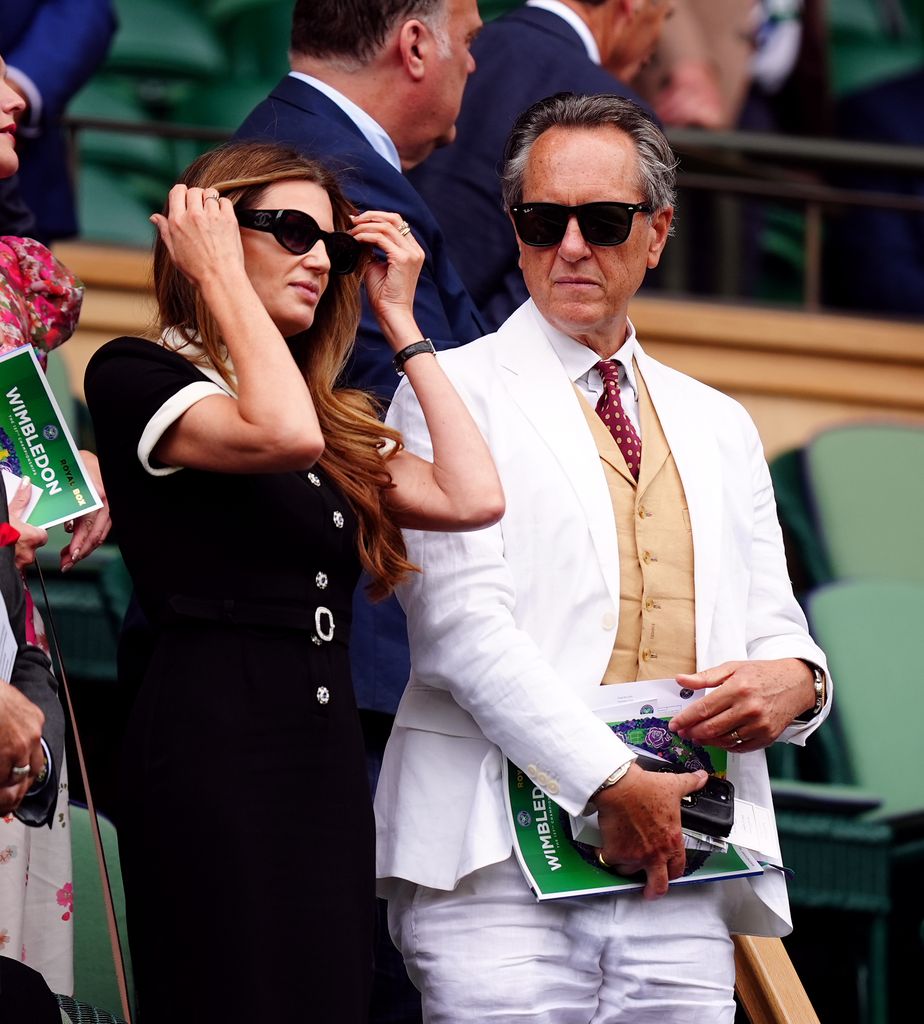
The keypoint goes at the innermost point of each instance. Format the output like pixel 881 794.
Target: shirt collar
pixel 578 360
pixel 574 20
pixel 372 131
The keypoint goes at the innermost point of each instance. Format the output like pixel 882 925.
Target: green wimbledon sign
pixel 35 442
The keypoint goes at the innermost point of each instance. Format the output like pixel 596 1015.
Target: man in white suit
pixel 640 541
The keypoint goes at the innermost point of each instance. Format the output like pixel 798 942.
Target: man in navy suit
pixel 374 88
pixel 51 48
pixel 31 716
pixel 545 47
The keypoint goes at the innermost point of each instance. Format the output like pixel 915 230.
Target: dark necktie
pixel 610 410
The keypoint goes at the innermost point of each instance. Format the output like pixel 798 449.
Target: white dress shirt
pixel 579 361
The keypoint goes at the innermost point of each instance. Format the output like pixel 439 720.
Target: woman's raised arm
pixel 272 425
pixel 460 489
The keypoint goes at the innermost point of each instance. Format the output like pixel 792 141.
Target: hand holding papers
pixel 557 853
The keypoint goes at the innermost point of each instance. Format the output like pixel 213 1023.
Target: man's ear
pixel 414 41
pixel 659 229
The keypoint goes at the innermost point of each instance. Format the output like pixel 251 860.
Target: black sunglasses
pixel 298 232
pixel 543 224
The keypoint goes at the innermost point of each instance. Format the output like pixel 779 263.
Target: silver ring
pixel 21 771
pixel 404 228
pixel 734 735
pixel 216 198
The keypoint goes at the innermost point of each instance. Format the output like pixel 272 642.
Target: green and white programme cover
pixel 35 442
pixel 547 841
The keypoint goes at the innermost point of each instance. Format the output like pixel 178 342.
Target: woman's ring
pixel 404 228
pixel 20 771
pixel 216 197
pixel 734 735
pixel 601 861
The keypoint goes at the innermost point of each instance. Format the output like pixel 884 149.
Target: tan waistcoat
pixel 656 637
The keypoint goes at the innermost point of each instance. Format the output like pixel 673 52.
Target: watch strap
pixel 424 345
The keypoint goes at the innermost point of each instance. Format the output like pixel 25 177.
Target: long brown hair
pixel 354 437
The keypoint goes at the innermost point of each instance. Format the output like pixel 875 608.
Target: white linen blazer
pixel 512 626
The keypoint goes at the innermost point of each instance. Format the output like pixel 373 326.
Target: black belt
pixel 318 621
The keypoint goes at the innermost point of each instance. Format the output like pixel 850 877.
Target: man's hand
pixel 639 819
pixel 751 701
pixel 21 724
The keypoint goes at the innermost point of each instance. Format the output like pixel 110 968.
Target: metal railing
pixel 734 167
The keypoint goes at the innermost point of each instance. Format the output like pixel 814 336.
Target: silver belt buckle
pixel 326 634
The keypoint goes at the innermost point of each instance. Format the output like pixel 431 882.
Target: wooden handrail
pixel 767 984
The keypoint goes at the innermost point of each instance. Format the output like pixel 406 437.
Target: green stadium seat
pixel 871 524
pixel 255 34
pixel 109 211
pixel 144 155
pixel 161 38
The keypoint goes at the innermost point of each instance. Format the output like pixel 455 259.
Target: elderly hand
pixel 639 818
pixel 751 701
pixel 90 530
pixel 391 284
pixel 21 724
pixel 31 538
pixel 201 233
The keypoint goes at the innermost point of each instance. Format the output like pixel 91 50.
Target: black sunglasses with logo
pixel 299 233
pixel 543 224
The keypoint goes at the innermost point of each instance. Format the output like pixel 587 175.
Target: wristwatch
pixel 818 681
pixel 610 780
pixel 419 347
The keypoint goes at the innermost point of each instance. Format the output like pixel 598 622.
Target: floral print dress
pixel 39 305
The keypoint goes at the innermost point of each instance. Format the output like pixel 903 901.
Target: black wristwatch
pixel 424 345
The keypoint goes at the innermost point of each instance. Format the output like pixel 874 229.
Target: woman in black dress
pixel 248 492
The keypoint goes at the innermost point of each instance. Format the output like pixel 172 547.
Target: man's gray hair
pixel 656 160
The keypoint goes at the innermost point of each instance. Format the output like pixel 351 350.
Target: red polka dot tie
pixel 610 410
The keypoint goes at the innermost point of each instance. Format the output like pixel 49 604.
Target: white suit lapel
pixel 538 384
pixel 696 454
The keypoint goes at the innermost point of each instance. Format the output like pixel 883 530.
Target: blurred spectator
pixel 51 48
pixel 875 258
pixel 544 47
pixel 700 72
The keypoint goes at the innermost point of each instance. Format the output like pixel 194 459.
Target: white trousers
pixel 488 951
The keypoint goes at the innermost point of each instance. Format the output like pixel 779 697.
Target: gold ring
pixel 601 861
pixel 404 228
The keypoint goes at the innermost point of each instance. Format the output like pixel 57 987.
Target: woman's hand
pixel 91 530
pixel 201 233
pixel 391 284
pixel 31 538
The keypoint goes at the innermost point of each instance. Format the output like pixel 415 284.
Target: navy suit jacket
pixel 301 116
pixel 58 44
pixel 32 675
pixel 520 58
